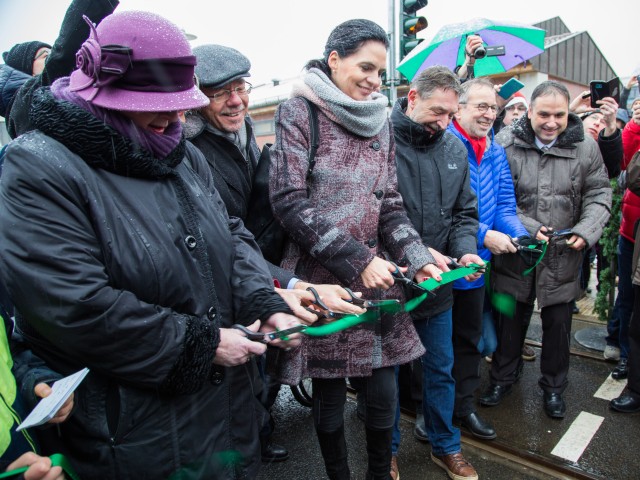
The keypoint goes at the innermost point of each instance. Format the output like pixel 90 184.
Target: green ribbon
pixel 371 315
pixel 544 250
pixel 57 460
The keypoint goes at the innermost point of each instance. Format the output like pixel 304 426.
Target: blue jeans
pixel 624 301
pixel 489 339
pixel 438 386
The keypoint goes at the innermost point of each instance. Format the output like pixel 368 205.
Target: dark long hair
pixel 346 39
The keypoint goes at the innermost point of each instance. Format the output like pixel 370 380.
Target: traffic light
pixel 410 25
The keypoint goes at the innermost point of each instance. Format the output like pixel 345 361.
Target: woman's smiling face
pixel 359 74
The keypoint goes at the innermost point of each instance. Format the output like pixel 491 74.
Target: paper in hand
pixel 47 408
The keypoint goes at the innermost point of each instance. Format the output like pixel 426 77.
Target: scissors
pixel 268 337
pixel 560 233
pixel 532 245
pixel 400 278
pixel 370 304
pixel 324 312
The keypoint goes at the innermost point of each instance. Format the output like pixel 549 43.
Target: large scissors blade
pixel 282 334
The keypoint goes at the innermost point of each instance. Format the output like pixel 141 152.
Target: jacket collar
pixel 99 145
pixel 412 132
pixel 573 134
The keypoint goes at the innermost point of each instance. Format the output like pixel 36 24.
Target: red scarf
pixel 478 144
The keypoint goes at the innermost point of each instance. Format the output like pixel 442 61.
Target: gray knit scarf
pixel 361 117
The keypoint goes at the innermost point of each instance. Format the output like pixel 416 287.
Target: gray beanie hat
pixel 219 65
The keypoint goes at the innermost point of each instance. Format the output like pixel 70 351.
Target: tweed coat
pixel 346 213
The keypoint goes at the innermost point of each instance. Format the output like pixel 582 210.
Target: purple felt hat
pixel 139 62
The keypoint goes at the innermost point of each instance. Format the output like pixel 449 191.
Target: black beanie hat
pixel 22 55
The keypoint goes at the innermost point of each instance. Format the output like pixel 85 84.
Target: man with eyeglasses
pixel 490 179
pixel 223 132
pixel 561 185
pixel 513 110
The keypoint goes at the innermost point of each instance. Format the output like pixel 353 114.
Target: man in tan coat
pixel 563 198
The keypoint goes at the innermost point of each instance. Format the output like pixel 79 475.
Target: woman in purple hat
pixel 119 256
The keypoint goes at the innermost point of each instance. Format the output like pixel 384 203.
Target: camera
pixel 480 52
pixel 489 51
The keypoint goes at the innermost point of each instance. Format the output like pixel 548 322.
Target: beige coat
pixel 565 187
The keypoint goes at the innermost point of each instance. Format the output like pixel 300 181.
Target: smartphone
pixel 510 87
pixel 600 89
pixel 495 50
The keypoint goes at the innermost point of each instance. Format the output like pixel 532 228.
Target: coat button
pixel 217 378
pixel 211 313
pixel 372 242
pixel 190 242
pixel 375 145
pixel 379 194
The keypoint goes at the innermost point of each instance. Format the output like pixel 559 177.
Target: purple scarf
pixel 159 145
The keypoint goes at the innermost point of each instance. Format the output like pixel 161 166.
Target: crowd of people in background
pixel 132 243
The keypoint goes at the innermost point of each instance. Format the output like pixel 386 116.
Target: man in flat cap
pixel 223 132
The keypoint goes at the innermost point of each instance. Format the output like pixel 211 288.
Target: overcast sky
pixel 279 36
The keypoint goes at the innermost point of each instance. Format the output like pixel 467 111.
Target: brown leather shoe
pixel 456 466
pixel 395 474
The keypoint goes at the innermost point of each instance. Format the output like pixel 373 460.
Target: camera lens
pixel 480 52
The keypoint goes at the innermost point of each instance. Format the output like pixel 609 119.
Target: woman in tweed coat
pixel 341 222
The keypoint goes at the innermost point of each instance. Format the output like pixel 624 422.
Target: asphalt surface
pixel 611 441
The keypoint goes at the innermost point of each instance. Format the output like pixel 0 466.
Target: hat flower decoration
pixel 101 64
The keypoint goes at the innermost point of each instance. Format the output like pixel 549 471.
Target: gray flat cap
pixel 219 65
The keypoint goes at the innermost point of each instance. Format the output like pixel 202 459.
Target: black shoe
pixel 554 405
pixel 574 308
pixel 477 426
pixel 272 453
pixel 494 395
pixel 420 431
pixel 625 403
pixel 621 371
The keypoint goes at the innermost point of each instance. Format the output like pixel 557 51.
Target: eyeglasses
pixel 43 53
pixel 224 95
pixel 482 107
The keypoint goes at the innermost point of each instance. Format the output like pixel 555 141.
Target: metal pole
pixel 393 48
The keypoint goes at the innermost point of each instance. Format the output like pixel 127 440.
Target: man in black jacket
pixel 433 178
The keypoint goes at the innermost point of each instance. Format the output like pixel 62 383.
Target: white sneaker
pixel 611 353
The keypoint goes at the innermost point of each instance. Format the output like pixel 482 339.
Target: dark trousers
pixel 634 345
pixel 329 396
pixel 556 334
pixel 467 331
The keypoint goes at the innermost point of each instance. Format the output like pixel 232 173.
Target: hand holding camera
pixel 474 49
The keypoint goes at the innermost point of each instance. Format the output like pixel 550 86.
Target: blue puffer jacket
pixel 10 81
pixel 491 181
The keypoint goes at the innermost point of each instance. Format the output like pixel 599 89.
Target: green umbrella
pixel 521 43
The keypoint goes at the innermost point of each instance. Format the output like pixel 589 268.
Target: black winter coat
pixel 10 82
pixel 129 265
pixel 433 179
pixel 232 173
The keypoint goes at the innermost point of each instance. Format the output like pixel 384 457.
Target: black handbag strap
pixel 313 130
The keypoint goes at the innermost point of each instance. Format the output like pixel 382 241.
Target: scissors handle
pixel 253 336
